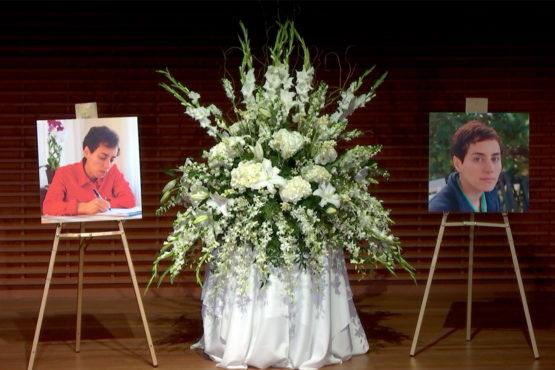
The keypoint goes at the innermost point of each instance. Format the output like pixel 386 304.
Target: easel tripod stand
pixel 471 224
pixel 84 239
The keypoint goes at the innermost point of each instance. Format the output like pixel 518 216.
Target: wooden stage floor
pixel 113 336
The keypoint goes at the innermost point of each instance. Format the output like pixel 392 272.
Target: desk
pixel 114 214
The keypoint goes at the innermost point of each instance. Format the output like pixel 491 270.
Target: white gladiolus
pixel 248 86
pixel 194 96
pixel 277 77
pixel 304 84
pixel 200 114
pixel 228 88
pixel 287 101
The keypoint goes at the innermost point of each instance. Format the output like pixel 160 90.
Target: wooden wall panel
pixel 52 57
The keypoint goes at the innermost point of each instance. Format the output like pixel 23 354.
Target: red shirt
pixel 71 186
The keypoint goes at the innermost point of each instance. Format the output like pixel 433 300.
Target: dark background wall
pixel 55 55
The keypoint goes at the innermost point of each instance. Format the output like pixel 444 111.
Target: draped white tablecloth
pixel 266 328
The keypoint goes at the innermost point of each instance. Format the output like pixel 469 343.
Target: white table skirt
pixel 266 328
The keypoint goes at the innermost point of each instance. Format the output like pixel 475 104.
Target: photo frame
pixel 60 144
pixel 513 129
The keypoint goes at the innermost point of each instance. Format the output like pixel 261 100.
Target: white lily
pixel 198 193
pixel 326 191
pixel 257 151
pixel 269 177
pixel 219 204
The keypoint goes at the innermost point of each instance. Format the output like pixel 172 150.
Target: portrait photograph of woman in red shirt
pixel 98 181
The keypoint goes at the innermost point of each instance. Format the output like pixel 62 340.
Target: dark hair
pixel 100 135
pixel 471 133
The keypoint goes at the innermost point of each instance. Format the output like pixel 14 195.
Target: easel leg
pixel 44 296
pixel 82 246
pixel 470 272
pixel 138 294
pixel 521 287
pixel 428 285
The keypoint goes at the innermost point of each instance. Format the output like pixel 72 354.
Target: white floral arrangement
pixel 273 192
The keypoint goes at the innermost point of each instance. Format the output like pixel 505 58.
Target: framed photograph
pixel 89 169
pixel 478 162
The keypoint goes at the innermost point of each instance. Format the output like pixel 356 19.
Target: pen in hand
pixel 99 196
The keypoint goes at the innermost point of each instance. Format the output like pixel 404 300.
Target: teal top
pixel 483 204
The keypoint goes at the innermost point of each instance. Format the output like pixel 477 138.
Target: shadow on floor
pixel 379 334
pixel 183 330
pixel 61 327
pixel 501 313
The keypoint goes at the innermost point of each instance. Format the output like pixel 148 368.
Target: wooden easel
pixel 84 239
pixel 478 106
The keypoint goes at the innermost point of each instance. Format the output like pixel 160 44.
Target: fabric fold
pixel 315 326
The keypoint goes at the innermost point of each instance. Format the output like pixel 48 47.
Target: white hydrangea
pixel 287 143
pixel 325 152
pixel 315 173
pixel 256 175
pixel 221 154
pixel 322 126
pixel 295 189
pixel 245 175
